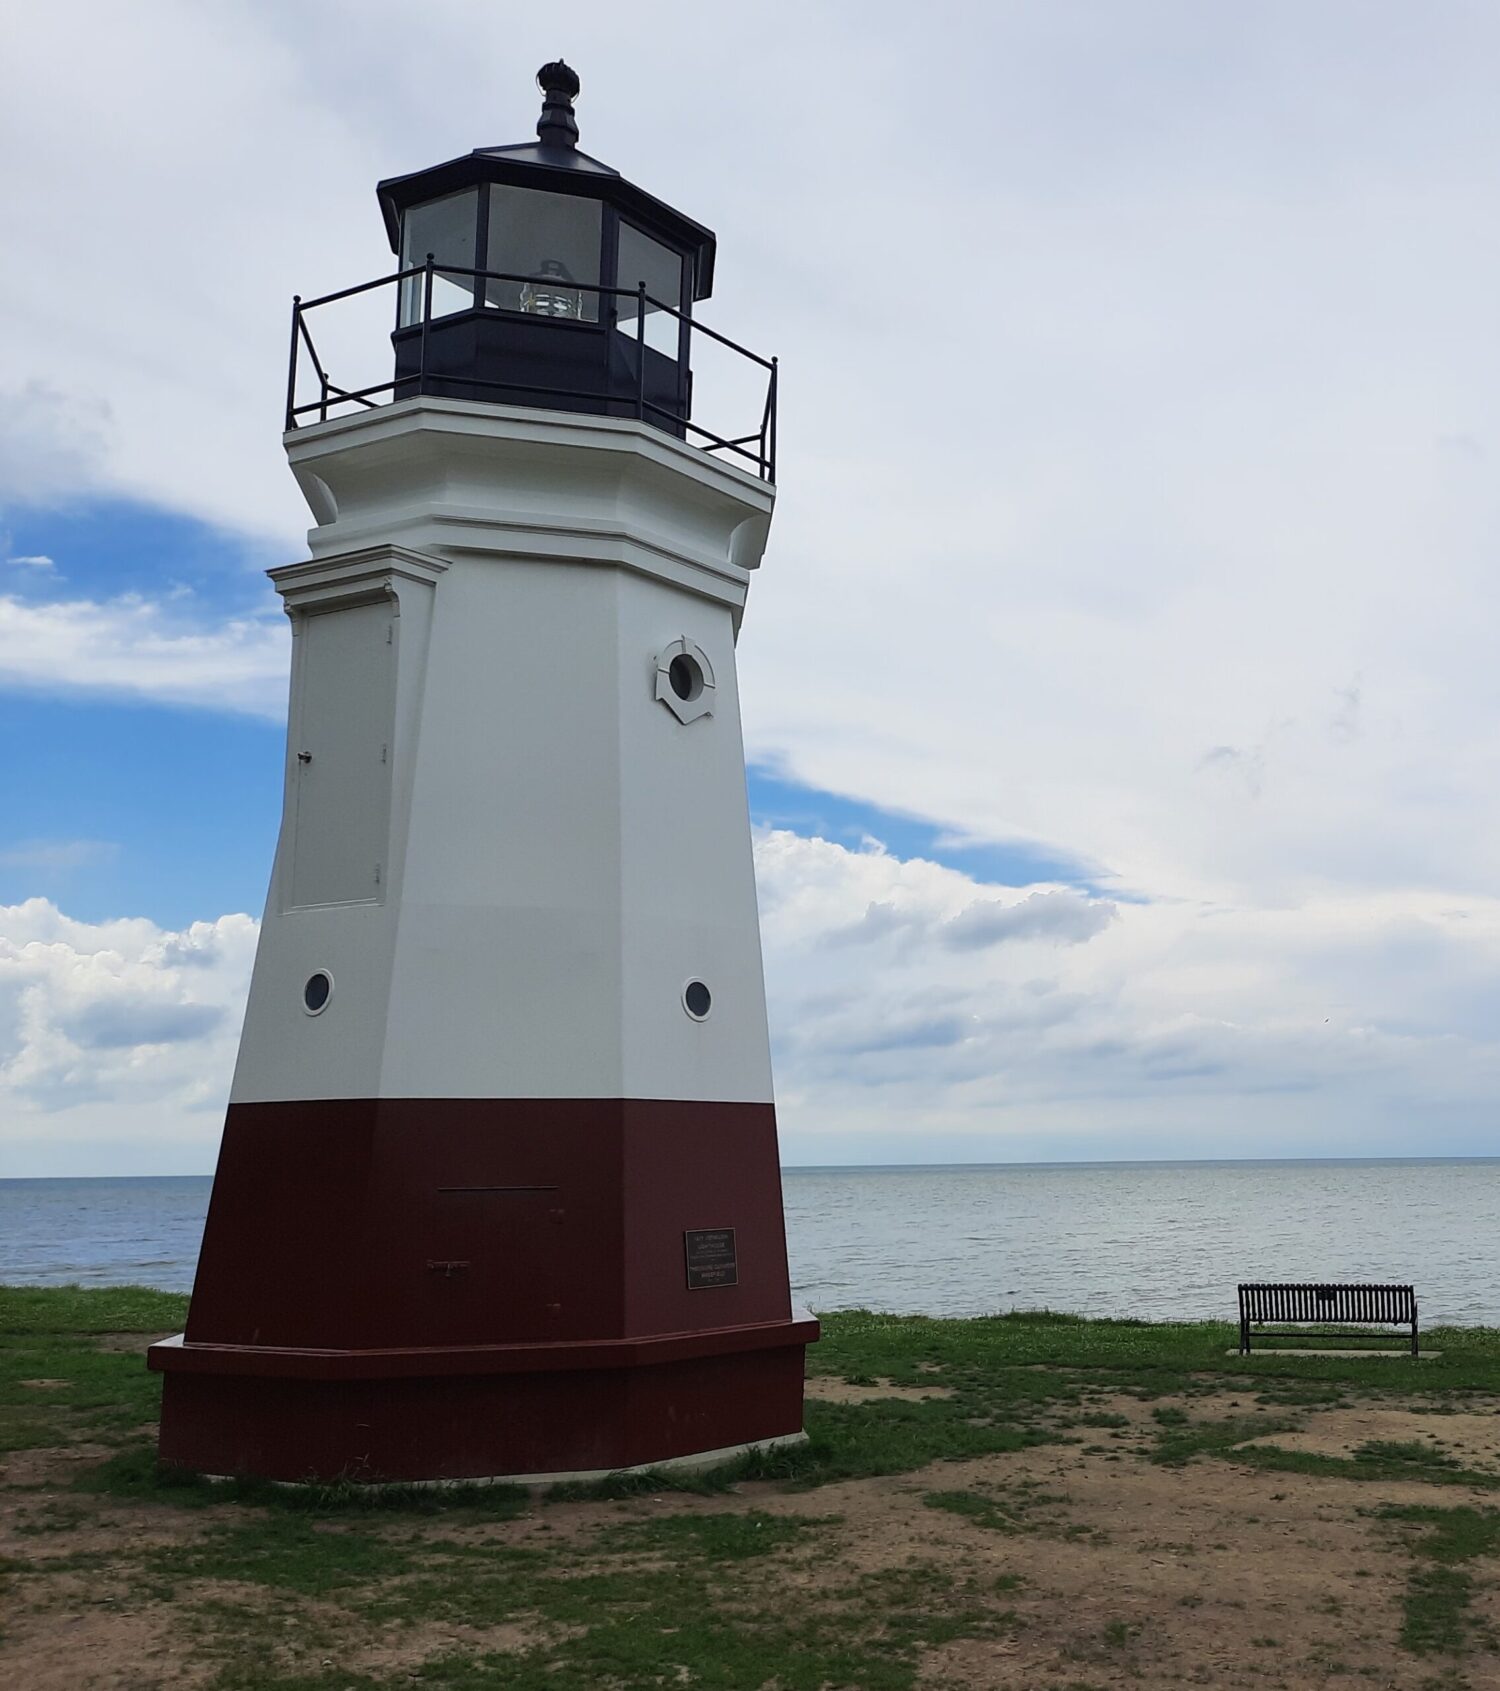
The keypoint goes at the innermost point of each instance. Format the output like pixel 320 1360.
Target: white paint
pixel 560 852
pixel 695 1463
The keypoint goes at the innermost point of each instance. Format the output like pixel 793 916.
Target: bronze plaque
pixel 710 1258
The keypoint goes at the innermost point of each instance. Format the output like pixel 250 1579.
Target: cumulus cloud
pixel 1061 917
pixel 113 1020
pixel 138 648
pixel 115 1034
pixel 1064 917
pixel 1173 1028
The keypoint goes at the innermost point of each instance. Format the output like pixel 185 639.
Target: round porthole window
pixel 686 677
pixel 697 1000
pixel 685 680
pixel 317 992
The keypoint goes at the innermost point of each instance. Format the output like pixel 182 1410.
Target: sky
pixel 1120 686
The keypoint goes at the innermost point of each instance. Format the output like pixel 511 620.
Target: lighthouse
pixel 498 1193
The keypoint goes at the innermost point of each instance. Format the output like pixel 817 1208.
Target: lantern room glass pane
pixel 553 241
pixel 648 261
pixel 446 228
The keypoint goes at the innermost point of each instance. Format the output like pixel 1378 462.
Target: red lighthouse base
pixel 456 1289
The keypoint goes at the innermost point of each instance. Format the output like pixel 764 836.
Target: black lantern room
pixel 552 280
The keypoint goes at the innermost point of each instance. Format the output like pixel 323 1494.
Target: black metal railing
pixel 757 448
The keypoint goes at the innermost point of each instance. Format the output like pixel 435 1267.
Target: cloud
pixel 117 1019
pixel 1344 724
pixel 1063 917
pixel 115 1034
pixel 1182 1028
pixel 36 561
pixel 52 444
pixel 909 1031
pixel 133 647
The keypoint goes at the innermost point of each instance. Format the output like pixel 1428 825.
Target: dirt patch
pixel 1110 1569
pixel 409 1647
pixel 96 1647
pixel 1130 1571
pixel 975 1662
pixel 824 1388
pixel 47 1532
pixel 131 1342
pixel 1471 1438
pixel 1087 1564
pixel 49 1465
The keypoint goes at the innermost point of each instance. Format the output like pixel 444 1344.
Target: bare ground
pixel 1112 1570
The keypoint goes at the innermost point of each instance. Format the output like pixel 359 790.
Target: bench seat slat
pixel 1342 1304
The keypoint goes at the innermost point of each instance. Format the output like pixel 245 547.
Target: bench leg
pixel 1414 1350
pixel 1244 1338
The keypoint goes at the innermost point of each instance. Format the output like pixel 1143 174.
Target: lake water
pixel 1155 1240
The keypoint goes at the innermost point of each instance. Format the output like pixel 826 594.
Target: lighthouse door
pixel 340 769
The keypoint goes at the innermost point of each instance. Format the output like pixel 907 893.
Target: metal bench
pixel 1336 1307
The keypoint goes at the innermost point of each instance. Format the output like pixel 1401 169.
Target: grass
pixel 56 1384
pixel 266 1582
pixel 1371 1462
pixel 631 1625
pixel 1013 1512
pixel 283 1553
pixel 878 1345
pixel 52 1384
pixel 1437 1615
pixel 712 1538
pixel 1409 1453
pixel 93 1309
pixel 1180 1441
pixel 134 1473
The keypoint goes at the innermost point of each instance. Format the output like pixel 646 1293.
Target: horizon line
pixel 909 1168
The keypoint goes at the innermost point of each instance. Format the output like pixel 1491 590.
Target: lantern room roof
pixel 554 165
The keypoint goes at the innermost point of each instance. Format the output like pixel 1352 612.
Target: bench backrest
pixel 1273 1302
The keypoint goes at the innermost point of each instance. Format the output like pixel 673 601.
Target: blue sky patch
pixel 138 810
pixel 101 548
pixel 776 802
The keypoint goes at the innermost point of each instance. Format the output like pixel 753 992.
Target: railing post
pixel 426 320
pixel 770 450
pixel 640 352
pixel 291 371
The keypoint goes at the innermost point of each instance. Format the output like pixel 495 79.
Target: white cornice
pixel 530 426
pixel 451 478
pixel 355 577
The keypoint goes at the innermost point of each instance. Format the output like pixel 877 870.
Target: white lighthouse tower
pixel 499 1190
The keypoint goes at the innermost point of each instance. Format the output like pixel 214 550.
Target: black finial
pixel 557 127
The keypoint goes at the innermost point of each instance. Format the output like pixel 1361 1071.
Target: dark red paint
pixel 440 1289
